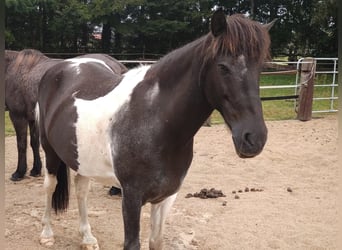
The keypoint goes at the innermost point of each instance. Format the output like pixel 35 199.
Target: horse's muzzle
pixel 249 144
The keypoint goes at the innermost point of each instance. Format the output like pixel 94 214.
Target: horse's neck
pixel 179 75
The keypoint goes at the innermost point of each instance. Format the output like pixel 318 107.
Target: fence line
pixel 333 95
pixel 333 85
pixel 282 72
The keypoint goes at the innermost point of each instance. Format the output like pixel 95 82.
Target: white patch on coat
pixel 152 93
pixel 76 62
pixel 242 62
pixel 93 128
pixel 37 114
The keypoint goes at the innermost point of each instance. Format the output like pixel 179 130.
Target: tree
pixel 324 20
pixel 112 15
pixel 45 25
pixel 299 24
pixel 67 24
pixel 151 26
pixel 22 17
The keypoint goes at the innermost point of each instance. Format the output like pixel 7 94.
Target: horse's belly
pixel 95 160
pixel 94 144
pixel 93 127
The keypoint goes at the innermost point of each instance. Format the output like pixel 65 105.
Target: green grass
pixel 9 129
pixel 324 79
pixel 278 109
pixel 273 110
pixel 285 109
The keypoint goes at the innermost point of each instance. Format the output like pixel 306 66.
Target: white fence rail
pixel 333 85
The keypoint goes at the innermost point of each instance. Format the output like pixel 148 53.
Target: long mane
pixel 242 37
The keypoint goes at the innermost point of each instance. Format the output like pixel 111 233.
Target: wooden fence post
pixel 307 75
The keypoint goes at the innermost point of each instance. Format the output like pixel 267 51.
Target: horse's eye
pixel 224 69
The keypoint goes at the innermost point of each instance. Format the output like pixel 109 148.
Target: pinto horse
pixel 23 71
pixel 135 131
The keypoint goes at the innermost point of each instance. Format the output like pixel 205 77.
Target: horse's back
pixel 89 78
pixel 114 64
pixel 24 70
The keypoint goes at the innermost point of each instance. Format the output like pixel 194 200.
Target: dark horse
pixel 136 131
pixel 23 70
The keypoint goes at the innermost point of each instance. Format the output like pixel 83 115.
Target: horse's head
pixel 236 49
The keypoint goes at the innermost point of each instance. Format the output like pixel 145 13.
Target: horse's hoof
pixel 48 242
pixel 35 173
pixel 114 191
pixel 17 177
pixel 90 246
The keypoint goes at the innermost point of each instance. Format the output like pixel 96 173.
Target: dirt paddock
pixel 293 206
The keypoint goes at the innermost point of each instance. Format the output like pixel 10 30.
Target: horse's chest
pixel 145 160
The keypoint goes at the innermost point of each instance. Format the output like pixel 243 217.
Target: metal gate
pixel 327 66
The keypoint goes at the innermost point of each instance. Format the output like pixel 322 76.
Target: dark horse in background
pixel 135 131
pixel 23 71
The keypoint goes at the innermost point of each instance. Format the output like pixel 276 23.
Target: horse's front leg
pixel 34 139
pixel 20 125
pixel 159 213
pixel 82 189
pixel 131 209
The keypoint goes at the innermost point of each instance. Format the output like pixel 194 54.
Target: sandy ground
pixel 299 156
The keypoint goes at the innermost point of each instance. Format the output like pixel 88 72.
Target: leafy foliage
pixel 151 26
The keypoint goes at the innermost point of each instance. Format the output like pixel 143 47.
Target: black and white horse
pixel 23 71
pixel 135 131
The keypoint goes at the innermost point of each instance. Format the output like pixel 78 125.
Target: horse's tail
pixel 60 198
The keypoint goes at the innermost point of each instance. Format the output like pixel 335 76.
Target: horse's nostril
pixel 248 139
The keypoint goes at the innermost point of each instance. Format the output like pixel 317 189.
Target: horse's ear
pixel 218 22
pixel 268 26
